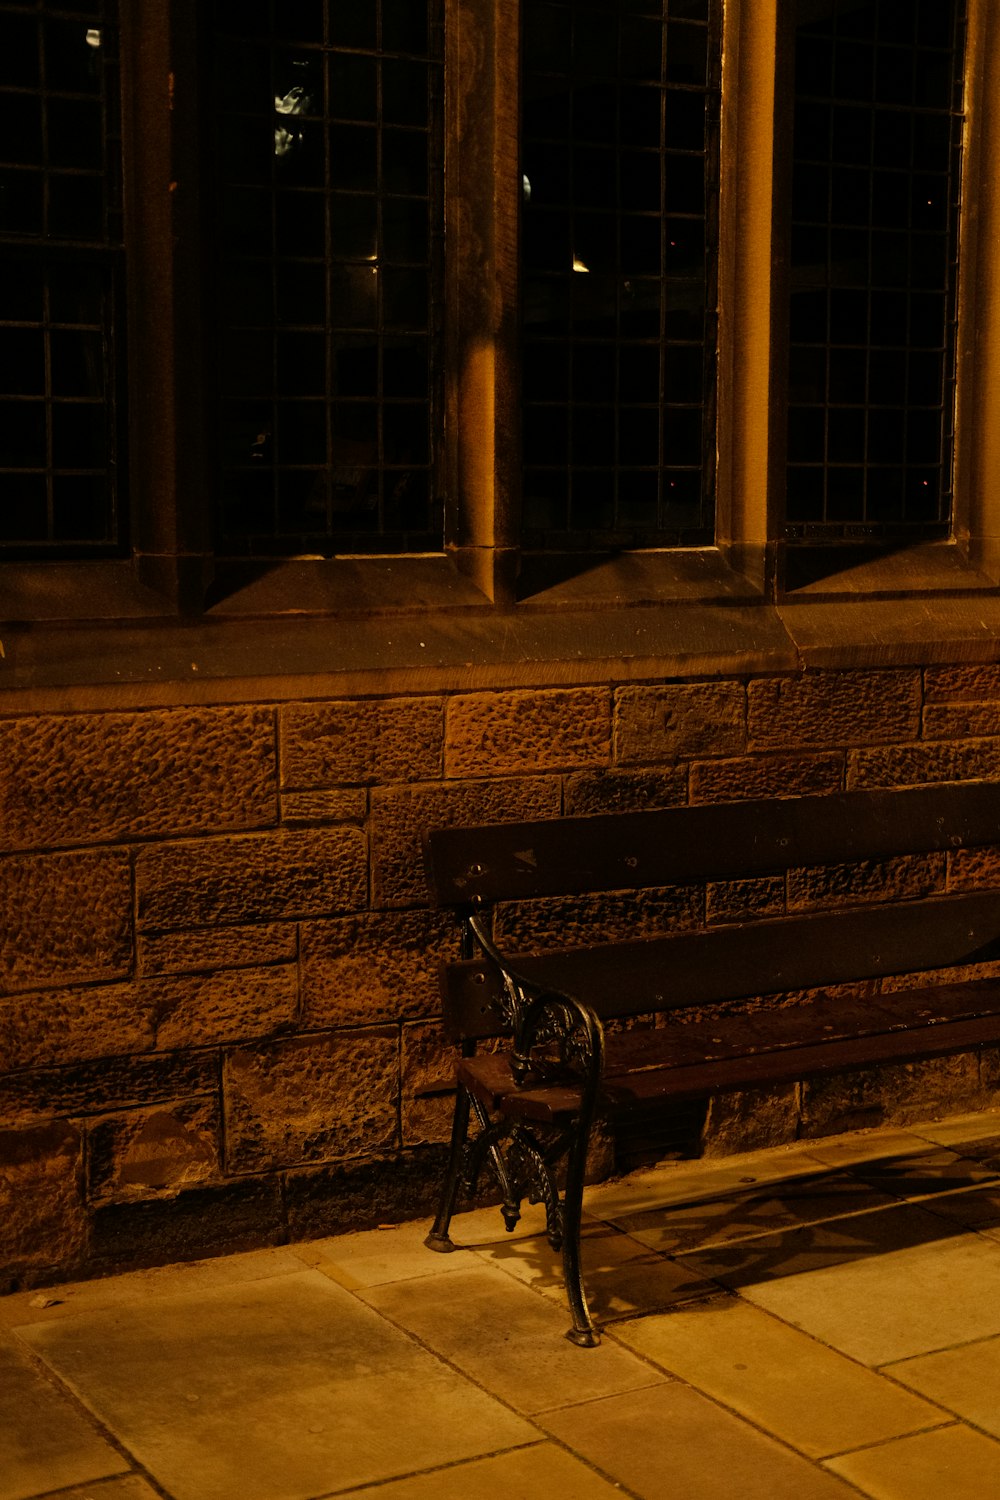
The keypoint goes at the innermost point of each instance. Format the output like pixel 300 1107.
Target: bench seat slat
pixel 682 1062
pixel 728 963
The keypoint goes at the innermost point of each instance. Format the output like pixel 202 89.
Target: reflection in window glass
pixel 329 162
pixel 619 162
pixel 877 138
pixel 60 234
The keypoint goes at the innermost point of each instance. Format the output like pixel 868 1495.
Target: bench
pixel 722 1005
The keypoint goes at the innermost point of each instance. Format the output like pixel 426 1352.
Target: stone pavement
pixel 812 1322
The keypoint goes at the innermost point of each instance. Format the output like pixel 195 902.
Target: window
pixel 619 151
pixel 874 269
pixel 330 237
pixel 60 279
pixel 442 302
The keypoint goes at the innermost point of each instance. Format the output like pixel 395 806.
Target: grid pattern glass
pixel 329 157
pixel 620 162
pixel 877 143
pixel 60 243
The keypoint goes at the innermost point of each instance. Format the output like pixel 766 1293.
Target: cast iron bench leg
pixel 439 1238
pixel 583 1331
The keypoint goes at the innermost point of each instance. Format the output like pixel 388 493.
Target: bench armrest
pixel 546 1018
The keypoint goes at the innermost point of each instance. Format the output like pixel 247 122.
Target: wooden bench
pixel 528 1109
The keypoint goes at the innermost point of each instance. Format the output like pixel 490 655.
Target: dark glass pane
pixel 354 88
pixel 79 437
pixel 76 206
pixel 299 20
pixel 78 364
pixel 75 134
pixel 72 57
pixel 22 435
pixel 21 130
pixel 79 507
pixel 353 23
pixel 22 361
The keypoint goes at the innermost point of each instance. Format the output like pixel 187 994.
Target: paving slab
pixel 128 1487
pixel 45 1443
pixel 959 1129
pixel 622 1277
pixel 938 1169
pixel 684 1181
pixel 970 1208
pixel 782 1380
pixel 868 1145
pixel 810 1249
pixel 750 1214
pixel 543 1472
pixel 69 1299
pixel 963 1380
pixel 672 1441
pixel 375 1256
pixel 508 1339
pixel 897 1304
pixel 277 1389
pixel 952 1463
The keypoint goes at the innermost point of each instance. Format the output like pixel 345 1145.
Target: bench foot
pixel 440 1242
pixel 585 1338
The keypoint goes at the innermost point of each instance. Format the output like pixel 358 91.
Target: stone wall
pixel 218 1024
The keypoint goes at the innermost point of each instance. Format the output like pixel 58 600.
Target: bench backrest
pixel 678 845
pixel 671 846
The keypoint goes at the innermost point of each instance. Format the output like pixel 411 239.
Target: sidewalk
pixel 833 1330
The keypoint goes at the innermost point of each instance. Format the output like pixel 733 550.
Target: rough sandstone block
pixel 311 1099
pixel 400 814
pixel 234 1005
pixel 72 1025
pixel 898 1094
pixel 766 776
pixel 75 1025
pixel 905 877
pixel 745 900
pixel 428 1084
pixel 261 877
pixel 82 778
pixel 374 967
pixel 42 1220
pixel 915 765
pixel 573 921
pixel 506 734
pixel 967 684
pixel 624 791
pixel 957 974
pixel 751 1120
pixel 823 709
pixel 360 743
pixel 217 948
pixel 64 919
pixel 106 1084
pixel 145 1152
pixel 957 721
pixel 339 805
pixel 989 1077
pixel 677 722
pixel 363 1194
pixel 974 869
pixel 215 1219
